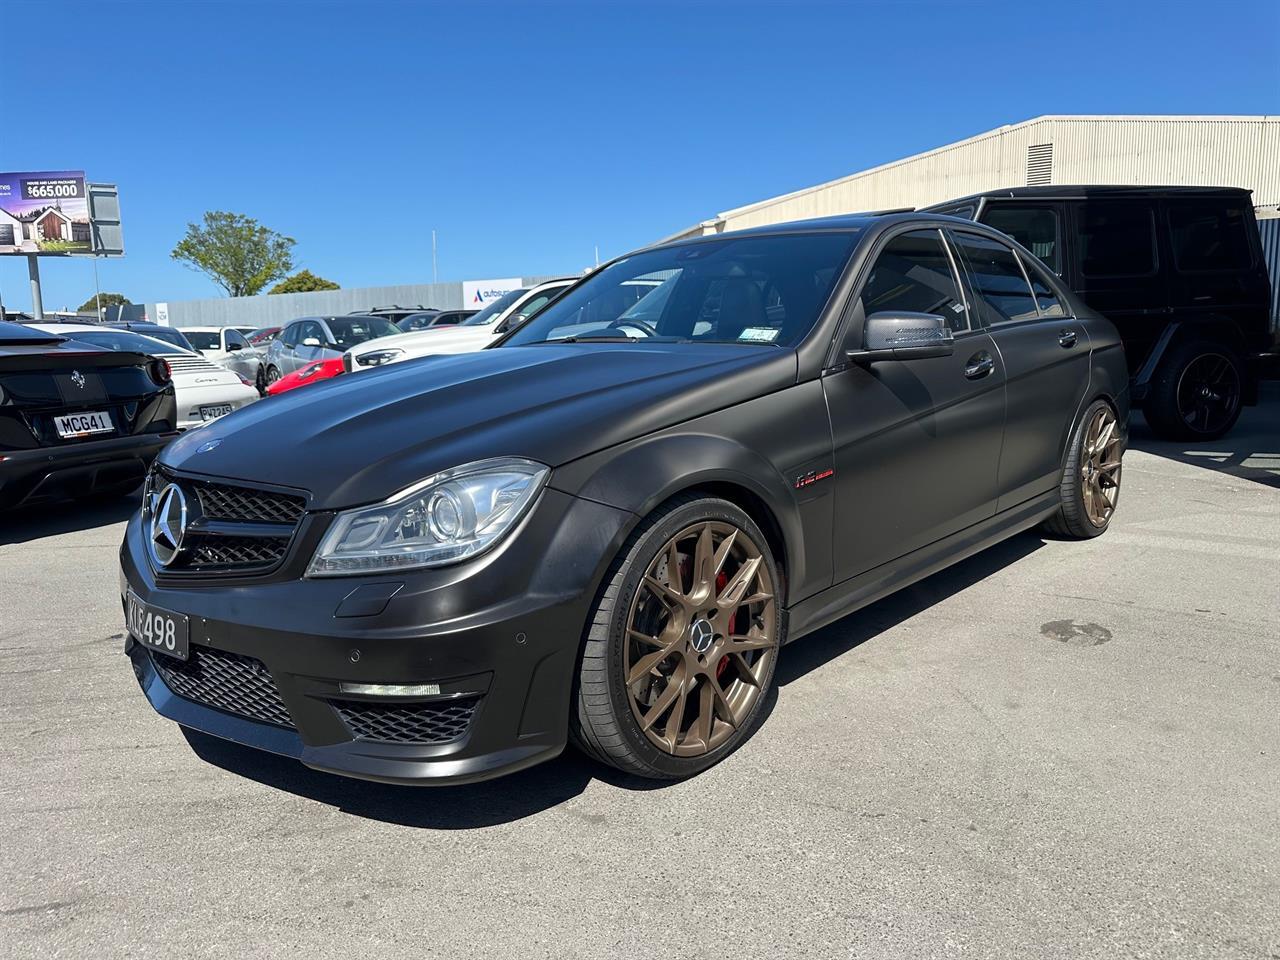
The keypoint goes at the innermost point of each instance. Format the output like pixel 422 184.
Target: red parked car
pixel 311 373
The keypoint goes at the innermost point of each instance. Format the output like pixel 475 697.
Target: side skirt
pixel 853 594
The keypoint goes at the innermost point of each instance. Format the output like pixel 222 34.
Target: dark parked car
pixel 75 420
pixel 1179 270
pixel 169 335
pixel 434 318
pixel 605 527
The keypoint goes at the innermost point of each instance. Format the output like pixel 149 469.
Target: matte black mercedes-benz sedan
pixel 605 528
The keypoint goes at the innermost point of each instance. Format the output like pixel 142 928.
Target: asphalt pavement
pixel 1053 749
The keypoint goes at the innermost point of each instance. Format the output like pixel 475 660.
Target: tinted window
pixel 349 332
pixel 758 290
pixel 1036 228
pixel 490 313
pixel 1208 236
pixel 997 280
pixel 1117 240
pixel 913 273
pixel 291 335
pixel 168 335
pixel 310 330
pixel 204 340
pixel 1046 299
pixel 234 336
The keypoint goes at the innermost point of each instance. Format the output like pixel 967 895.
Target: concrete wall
pixel 1217 151
pixel 271 310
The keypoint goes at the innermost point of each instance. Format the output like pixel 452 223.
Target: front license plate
pixel 158 629
pixel 214 410
pixel 73 425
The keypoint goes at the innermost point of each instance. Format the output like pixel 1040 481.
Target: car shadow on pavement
pixel 53 519
pixel 1251 451
pixel 524 794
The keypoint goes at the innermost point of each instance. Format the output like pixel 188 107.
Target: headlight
pixel 452 516
pixel 377 358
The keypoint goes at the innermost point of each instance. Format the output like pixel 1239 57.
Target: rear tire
pixel 260 381
pixel 1196 392
pixel 1090 487
pixel 706 650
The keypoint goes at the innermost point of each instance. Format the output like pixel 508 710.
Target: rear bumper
pixel 76 470
pixel 191 399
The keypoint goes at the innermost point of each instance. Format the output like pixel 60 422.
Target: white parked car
pixel 204 390
pixel 229 347
pixel 474 333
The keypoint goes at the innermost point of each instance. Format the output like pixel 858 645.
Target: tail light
pixel 160 372
pixel 245 380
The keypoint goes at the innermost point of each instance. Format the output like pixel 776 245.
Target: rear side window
pixel 1117 240
pixel 1036 228
pixel 913 273
pixel 1046 299
pixel 1209 237
pixel 998 283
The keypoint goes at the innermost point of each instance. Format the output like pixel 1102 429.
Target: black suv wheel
pixel 1196 392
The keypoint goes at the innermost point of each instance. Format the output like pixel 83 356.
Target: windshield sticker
pixel 764 334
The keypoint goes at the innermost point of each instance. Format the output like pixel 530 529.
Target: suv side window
pixel 1117 239
pixel 1036 228
pixel 1046 299
pixel 289 337
pixel 997 280
pixel 913 272
pixel 1209 237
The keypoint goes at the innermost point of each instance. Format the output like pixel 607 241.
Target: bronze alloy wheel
pixel 1100 466
pixel 701 638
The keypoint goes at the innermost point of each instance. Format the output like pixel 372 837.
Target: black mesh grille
pixel 228 681
pixel 207 552
pixel 436 722
pixel 223 502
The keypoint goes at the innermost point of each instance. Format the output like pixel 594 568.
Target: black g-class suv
pixel 1179 270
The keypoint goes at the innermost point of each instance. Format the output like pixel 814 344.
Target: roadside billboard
pixel 44 212
pixel 477 294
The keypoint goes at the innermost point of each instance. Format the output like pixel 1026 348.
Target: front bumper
pixel 76 470
pixel 499 636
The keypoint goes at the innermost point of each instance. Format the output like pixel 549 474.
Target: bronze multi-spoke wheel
pixel 681 651
pixel 1100 467
pixel 1090 485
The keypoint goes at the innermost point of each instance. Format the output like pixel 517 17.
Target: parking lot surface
pixel 1052 749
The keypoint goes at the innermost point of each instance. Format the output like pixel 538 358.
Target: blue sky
pixel 527 134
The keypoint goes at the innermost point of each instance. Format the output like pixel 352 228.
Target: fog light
pixel 392 689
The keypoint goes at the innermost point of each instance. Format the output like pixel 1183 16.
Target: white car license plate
pixel 158 629
pixel 73 425
pixel 213 411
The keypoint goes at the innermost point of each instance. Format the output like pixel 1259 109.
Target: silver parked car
pixel 308 339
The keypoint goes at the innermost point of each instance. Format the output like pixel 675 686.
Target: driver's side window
pixel 291 336
pixel 913 273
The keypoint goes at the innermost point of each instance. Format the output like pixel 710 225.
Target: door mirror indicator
pixel 904 335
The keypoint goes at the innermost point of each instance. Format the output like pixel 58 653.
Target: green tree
pixel 106 299
pixel 304 281
pixel 236 252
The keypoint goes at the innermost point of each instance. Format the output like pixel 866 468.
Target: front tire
pixel 260 381
pixel 272 375
pixel 681 648
pixel 1196 392
pixel 1090 487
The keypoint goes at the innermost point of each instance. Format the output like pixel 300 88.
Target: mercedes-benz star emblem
pixel 77 378
pixel 168 525
pixel 701 634
pixel 208 445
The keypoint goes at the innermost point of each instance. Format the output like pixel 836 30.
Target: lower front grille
pixel 435 722
pixel 227 681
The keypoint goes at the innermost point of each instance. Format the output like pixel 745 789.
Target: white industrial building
pixel 1198 151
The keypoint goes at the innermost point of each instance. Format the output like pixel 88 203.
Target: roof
pixel 1083 191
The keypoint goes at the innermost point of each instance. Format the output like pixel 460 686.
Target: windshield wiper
pixel 585 338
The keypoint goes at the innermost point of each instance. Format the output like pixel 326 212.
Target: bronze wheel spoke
pixel 722 553
pixel 723 708
pixel 663 592
pixel 731 595
pixel 645 664
pixel 743 668
pixel 702 724
pixel 704 577
pixel 740 643
pixel 645 638
pixel 665 700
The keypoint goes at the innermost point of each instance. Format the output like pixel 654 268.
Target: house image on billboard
pixel 23 232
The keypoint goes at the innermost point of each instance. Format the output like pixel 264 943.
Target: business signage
pixel 45 213
pixel 477 294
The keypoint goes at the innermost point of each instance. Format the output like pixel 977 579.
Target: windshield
pixel 204 339
pixel 169 335
pixel 490 313
pixel 751 290
pixel 123 340
pixel 350 332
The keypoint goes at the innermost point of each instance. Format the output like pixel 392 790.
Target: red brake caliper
pixel 721 579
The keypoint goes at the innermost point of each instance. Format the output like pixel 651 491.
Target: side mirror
pixel 311 342
pixel 233 347
pixel 904 335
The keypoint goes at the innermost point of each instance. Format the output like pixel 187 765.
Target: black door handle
pixel 979 365
pixel 1066 339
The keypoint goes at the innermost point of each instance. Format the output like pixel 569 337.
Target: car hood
pixel 359 439
pixel 426 343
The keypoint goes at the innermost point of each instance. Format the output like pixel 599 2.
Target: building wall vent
pixel 1039 164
